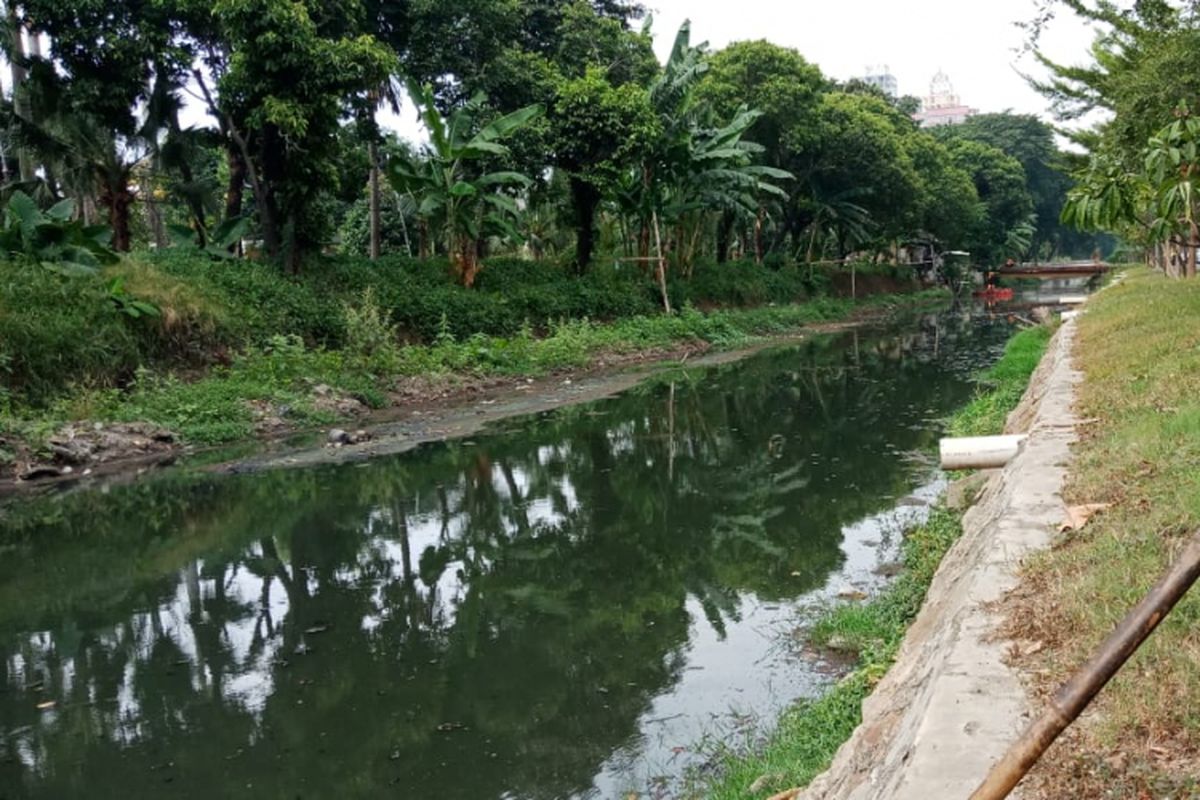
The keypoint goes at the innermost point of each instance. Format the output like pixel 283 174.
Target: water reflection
pixel 503 618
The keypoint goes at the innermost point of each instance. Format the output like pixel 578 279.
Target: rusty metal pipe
pixel 1075 695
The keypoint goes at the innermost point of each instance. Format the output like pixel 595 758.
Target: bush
pixel 741 283
pixel 371 341
pixel 57 331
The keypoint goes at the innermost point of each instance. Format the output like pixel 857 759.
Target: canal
pixel 566 606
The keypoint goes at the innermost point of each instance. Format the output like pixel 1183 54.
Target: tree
pixel 860 149
pixel 80 105
pixel 786 89
pixel 698 164
pixel 599 131
pixel 1173 168
pixel 288 135
pixel 1142 67
pixel 1000 183
pixel 465 205
pixel 1030 141
pixel 949 209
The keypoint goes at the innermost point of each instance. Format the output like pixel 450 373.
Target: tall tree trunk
pixel 423 244
pixel 154 219
pixel 403 226
pixel 19 90
pixel 117 199
pixel 264 201
pixel 724 229
pixel 758 231
pixel 235 190
pixel 376 220
pixel 1192 248
pixel 585 199
pixel 278 228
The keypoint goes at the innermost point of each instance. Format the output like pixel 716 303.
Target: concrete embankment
pixel 950 706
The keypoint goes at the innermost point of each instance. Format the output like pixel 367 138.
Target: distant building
pixel 942 106
pixel 883 79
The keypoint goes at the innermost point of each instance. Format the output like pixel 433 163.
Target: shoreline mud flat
pixel 458 407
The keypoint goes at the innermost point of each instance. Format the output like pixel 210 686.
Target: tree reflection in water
pixel 468 620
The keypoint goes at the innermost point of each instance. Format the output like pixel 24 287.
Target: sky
pixel 975 42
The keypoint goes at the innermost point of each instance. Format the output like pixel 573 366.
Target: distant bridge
pixel 1069 269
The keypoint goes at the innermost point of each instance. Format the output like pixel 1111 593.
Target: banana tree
pixel 700 167
pixel 53 238
pixel 453 196
pixel 713 172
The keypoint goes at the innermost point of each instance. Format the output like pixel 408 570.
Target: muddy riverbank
pixel 419 410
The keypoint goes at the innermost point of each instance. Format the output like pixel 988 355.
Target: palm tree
pixel 82 156
pixel 466 207
pixel 839 220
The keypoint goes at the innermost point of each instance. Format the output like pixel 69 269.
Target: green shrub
pixel 57 330
pixel 371 341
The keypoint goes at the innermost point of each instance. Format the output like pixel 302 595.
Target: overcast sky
pixel 977 43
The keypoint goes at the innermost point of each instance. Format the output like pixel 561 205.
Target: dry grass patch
pixel 1139 347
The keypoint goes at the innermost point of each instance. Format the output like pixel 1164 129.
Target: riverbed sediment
pixel 951 705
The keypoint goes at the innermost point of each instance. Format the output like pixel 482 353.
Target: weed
pixel 371 339
pixel 1001 386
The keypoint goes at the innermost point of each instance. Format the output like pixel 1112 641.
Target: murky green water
pixel 563 607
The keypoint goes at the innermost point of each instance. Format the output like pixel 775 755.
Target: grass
pixel 1002 385
pixel 1138 346
pixel 283 373
pixel 59 333
pixel 808 734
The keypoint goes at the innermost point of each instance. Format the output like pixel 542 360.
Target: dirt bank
pixel 950 705
pixel 420 410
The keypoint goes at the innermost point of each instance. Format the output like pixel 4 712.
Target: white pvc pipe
pixel 1072 299
pixel 979 452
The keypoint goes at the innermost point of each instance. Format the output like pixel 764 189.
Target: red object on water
pixel 994 293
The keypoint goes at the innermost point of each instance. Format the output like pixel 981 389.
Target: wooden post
pixel 662 267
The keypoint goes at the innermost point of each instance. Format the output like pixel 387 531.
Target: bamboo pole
pixel 662 267
pixel 1075 695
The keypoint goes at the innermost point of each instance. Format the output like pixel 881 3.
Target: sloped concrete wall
pixel 949 707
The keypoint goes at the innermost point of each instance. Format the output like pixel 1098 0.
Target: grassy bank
pixel 58 333
pixel 260 354
pixel 1001 386
pixel 808 735
pixel 1138 346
